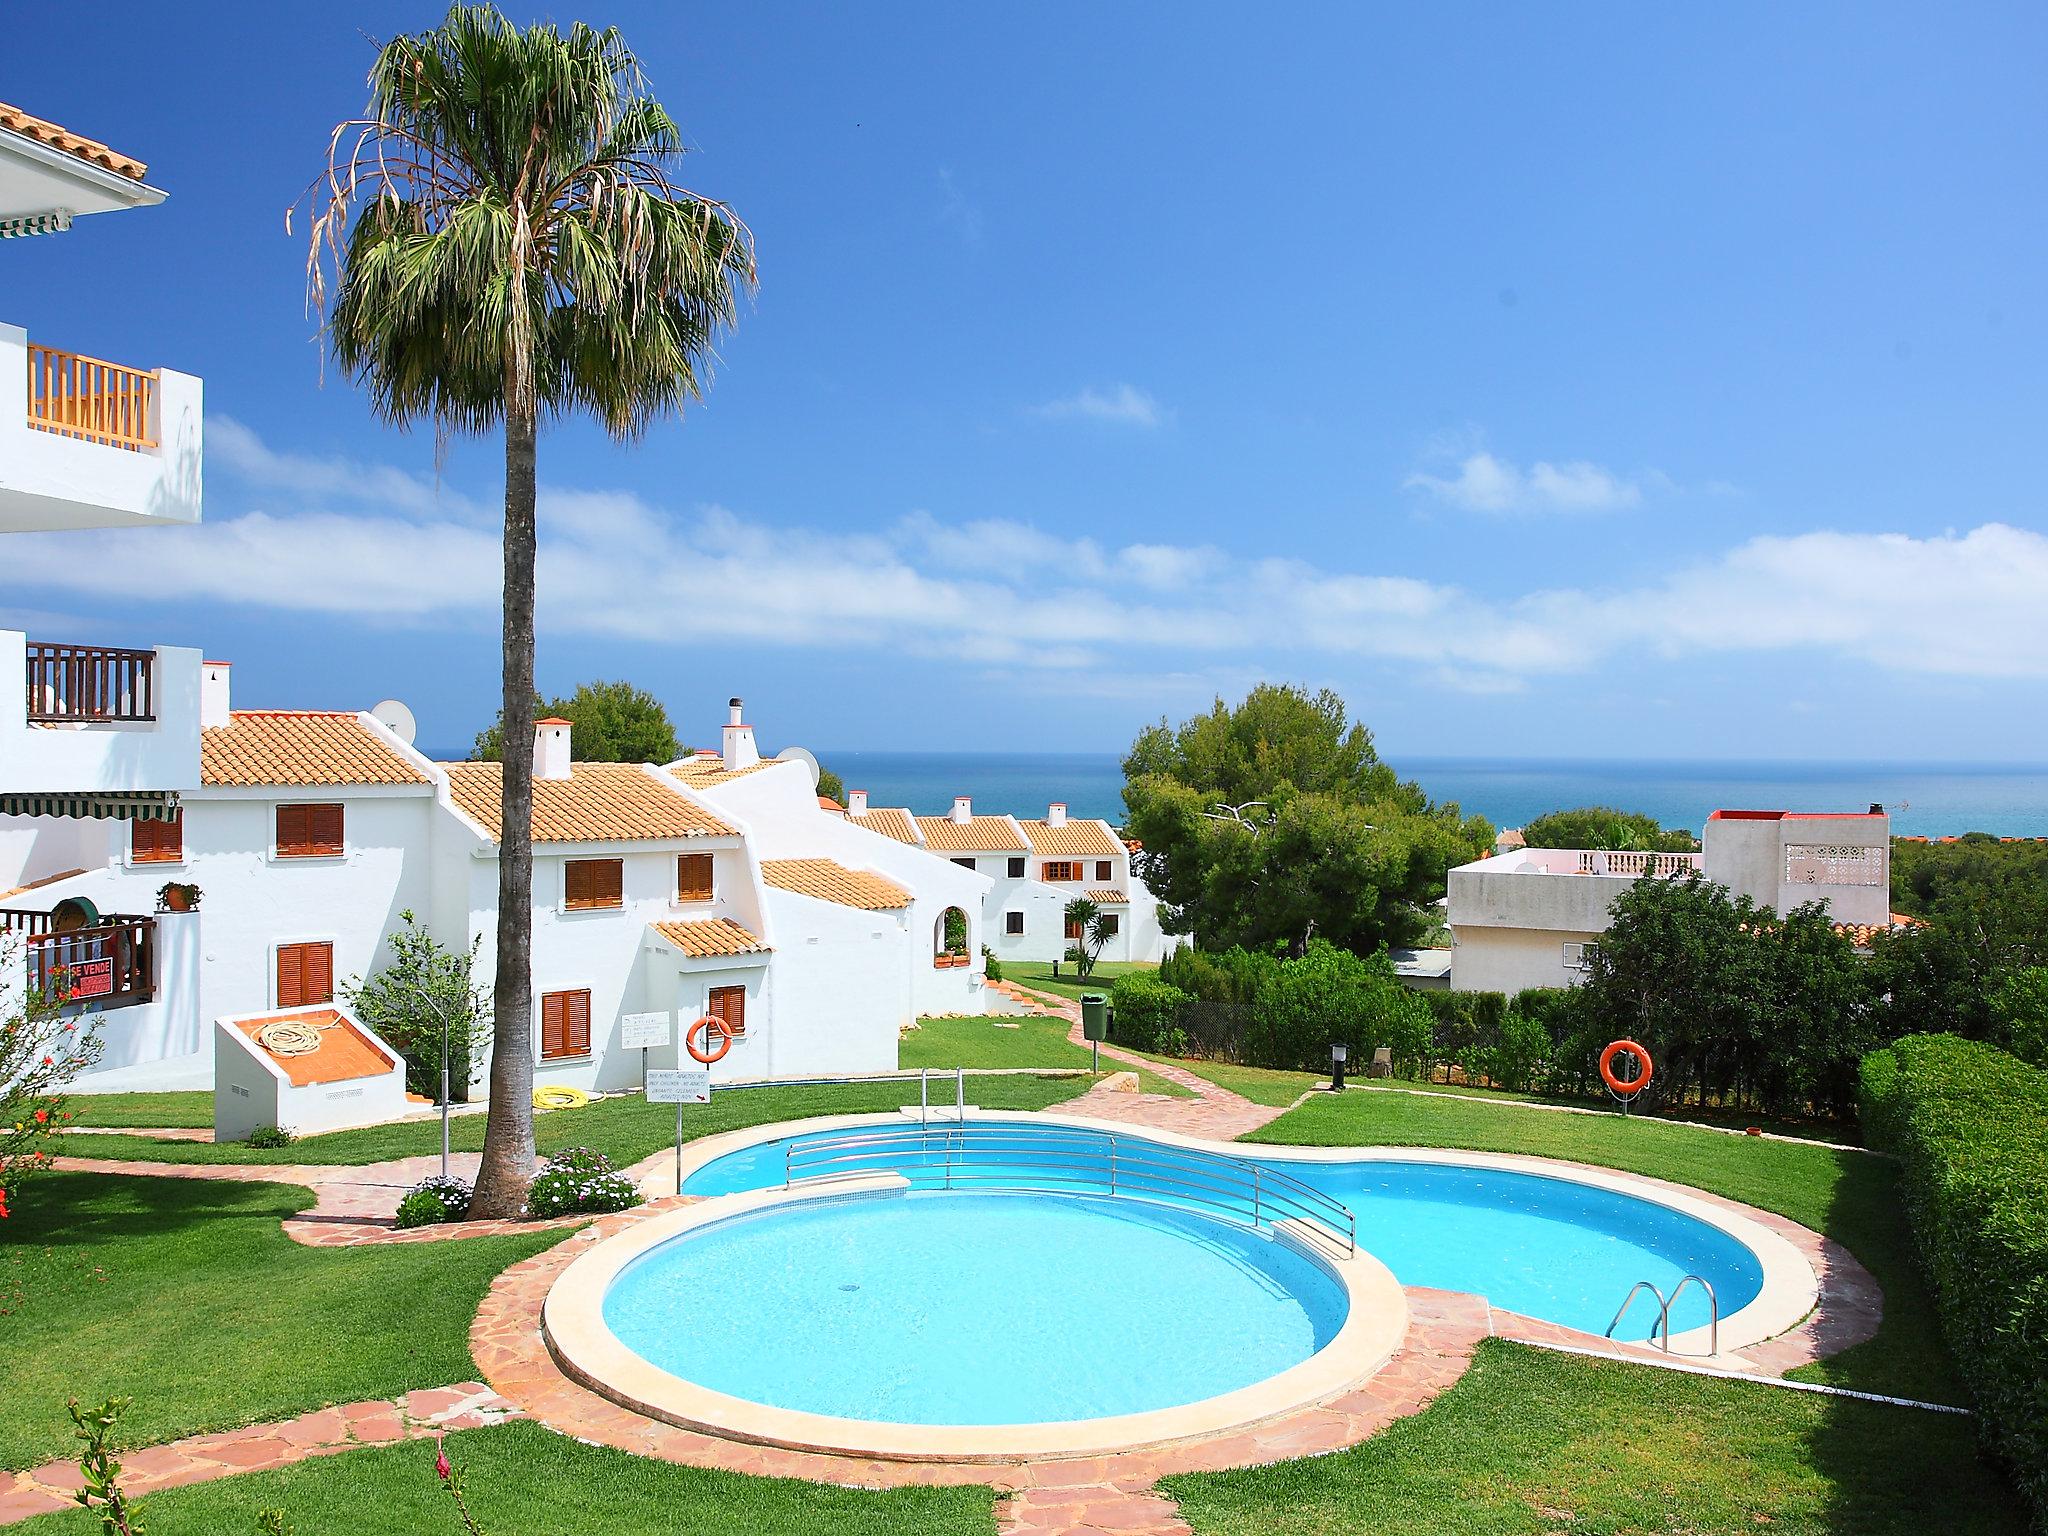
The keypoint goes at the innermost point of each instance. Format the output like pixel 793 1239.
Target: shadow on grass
pixel 62 1209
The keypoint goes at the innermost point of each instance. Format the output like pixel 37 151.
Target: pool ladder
pixel 1666 1303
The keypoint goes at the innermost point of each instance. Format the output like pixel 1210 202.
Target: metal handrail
pixel 1071 1160
pixel 1664 1305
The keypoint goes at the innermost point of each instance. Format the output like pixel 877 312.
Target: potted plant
pixel 177 896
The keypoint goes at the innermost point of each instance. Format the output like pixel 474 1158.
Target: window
pixel 1104 870
pixel 309 831
pixel 1013 923
pixel 591 883
pixel 305 974
pixel 1060 869
pixel 1109 924
pixel 1017 868
pixel 693 877
pixel 565 1022
pixel 1073 928
pixel 1579 957
pixel 729 1005
pixel 157 842
pixel 965 863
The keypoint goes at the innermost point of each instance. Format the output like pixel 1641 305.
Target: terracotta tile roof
pixel 828 880
pixel 1861 934
pixel 890 821
pixel 291 747
pixel 597 803
pixel 705 938
pixel 45 132
pixel 978 834
pixel 1089 839
pixel 702 773
pixel 344 1051
pixel 1109 896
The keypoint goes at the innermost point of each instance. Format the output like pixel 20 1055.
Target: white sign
pixel 642 1031
pixel 679 1085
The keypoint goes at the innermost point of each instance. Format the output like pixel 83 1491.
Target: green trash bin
pixel 1094 1016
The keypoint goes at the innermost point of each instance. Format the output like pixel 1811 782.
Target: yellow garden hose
pixel 559 1098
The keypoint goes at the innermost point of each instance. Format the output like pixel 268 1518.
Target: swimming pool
pixel 1560 1249
pixel 936 1307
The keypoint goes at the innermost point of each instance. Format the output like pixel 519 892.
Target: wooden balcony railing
pixel 111 965
pixel 76 396
pixel 88 684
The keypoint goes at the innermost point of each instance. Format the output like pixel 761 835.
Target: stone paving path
pixel 261 1447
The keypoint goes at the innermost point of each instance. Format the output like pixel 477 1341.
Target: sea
pixel 1928 800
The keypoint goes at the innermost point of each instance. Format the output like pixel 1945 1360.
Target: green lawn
pixel 1038 974
pixel 187 1296
pixel 1007 1040
pixel 1850 1196
pixel 523 1480
pixel 625 1129
pixel 194 1108
pixel 1262 1085
pixel 1531 1443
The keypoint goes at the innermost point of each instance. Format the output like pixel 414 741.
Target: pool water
pixel 931 1307
pixel 1548 1248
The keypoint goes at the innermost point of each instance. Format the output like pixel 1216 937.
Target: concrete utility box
pixel 1094 1016
pixel 306 1070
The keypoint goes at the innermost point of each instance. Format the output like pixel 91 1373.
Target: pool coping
pixel 589 1353
pixel 1790 1291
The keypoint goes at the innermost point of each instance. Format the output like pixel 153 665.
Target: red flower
pixel 42 1117
pixel 441 1466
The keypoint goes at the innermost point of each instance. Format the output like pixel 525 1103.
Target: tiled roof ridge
pixel 92 151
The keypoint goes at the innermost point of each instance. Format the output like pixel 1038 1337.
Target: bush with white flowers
pixel 579 1179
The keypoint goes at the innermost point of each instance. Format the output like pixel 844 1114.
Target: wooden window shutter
pixel 576 1022
pixel 157 842
pixel 593 883
pixel 307 830
pixel 553 1032
pixel 305 975
pixel 693 877
pixel 730 1005
pixel 575 883
pixel 1102 869
pixel 291 828
pixel 611 888
pixel 290 974
pixel 324 828
pixel 319 983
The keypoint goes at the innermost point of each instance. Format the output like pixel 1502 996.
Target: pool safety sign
pixel 679 1085
pixel 643 1031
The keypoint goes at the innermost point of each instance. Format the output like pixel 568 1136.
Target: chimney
pixel 963 810
pixel 1056 814
pixel 739 740
pixel 551 748
pixel 856 802
pixel 213 694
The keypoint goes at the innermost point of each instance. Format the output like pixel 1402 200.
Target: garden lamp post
pixel 1339 1051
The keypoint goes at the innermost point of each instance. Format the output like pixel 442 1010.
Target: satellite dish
pixel 397 719
pixel 799 755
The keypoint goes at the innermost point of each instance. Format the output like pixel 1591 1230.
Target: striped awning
pixel 140 805
pixel 34 224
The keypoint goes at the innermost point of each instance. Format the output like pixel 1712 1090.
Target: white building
pixel 1527 917
pixel 1034 869
pixel 91 733
pixel 719 889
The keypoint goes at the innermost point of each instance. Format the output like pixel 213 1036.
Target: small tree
pixel 427 987
pixel 1088 923
pixel 613 723
pixel 43 1045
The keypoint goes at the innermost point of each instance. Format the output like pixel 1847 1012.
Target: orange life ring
pixel 708 1027
pixel 1628 1087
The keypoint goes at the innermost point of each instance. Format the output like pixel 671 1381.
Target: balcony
pixel 111 964
pixel 96 719
pixel 86 443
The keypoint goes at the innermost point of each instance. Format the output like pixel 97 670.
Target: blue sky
pixel 1581 381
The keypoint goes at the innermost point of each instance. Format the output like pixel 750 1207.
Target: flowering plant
pixel 43 1045
pixel 433 1200
pixel 579 1179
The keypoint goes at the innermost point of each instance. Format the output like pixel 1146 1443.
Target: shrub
pixel 578 1179
pixel 991 967
pixel 269 1136
pixel 1969 1125
pixel 434 1200
pixel 1145 1011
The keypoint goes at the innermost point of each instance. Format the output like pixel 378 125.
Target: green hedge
pixel 1969 1125
pixel 1144 1011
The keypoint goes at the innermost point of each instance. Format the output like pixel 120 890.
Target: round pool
pixel 1557 1248
pixel 937 1308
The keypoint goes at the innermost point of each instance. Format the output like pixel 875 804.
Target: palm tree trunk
pixel 508 1130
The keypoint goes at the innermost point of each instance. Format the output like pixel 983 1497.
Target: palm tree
pixel 506 242
pixel 1084 922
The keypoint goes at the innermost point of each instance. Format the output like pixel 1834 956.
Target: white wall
pixel 1749 855
pixel 53 482
pixel 1512 959
pixel 149 755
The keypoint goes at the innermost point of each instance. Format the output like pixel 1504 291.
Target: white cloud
pixel 1484 483
pixel 249 459
pixel 1123 405
pixel 1009 595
